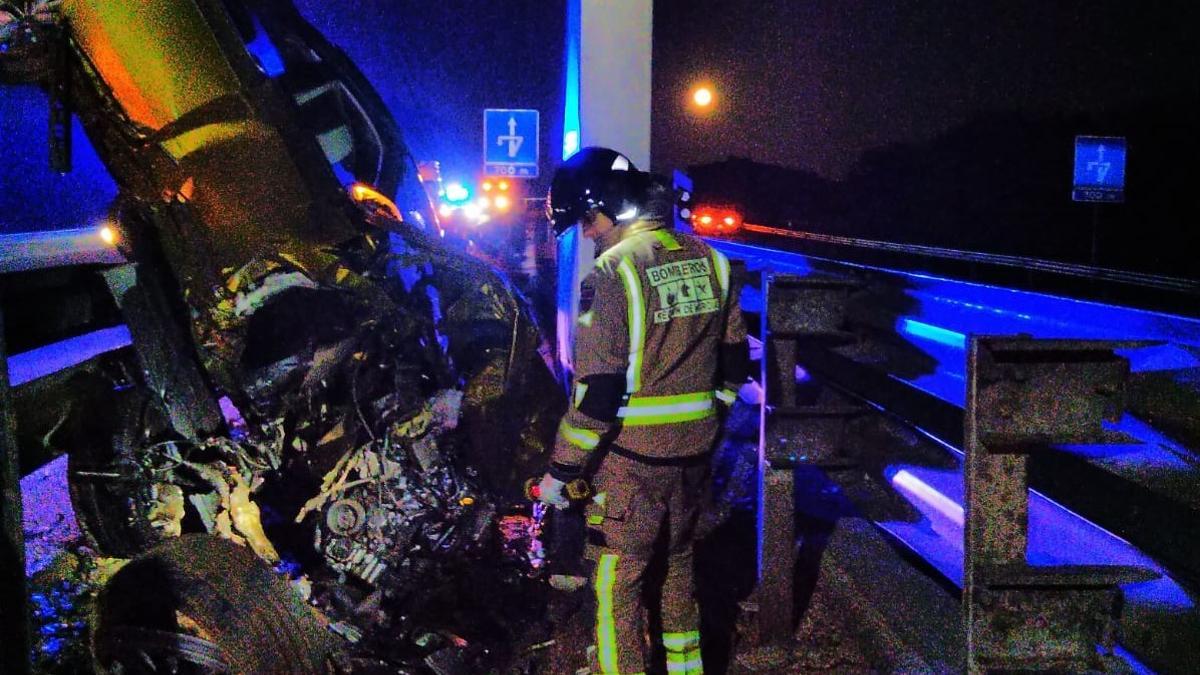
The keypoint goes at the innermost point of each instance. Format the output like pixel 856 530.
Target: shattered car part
pixel 317 374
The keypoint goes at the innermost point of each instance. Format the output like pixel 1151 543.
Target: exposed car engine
pixel 399 499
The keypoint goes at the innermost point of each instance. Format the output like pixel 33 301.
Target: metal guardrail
pixel 939 315
pixel 55 248
pixel 934 314
pixel 27 252
pixel 1023 395
pixel 1153 281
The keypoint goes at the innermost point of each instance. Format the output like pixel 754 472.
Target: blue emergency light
pixel 457 193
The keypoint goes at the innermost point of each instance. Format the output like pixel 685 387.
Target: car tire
pixel 202 604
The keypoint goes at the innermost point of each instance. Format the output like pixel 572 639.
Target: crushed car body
pixel 317 379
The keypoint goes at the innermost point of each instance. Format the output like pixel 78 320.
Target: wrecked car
pixel 326 416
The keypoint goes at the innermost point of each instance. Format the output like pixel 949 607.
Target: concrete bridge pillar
pixel 606 103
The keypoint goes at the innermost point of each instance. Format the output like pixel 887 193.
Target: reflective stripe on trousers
pixel 606 629
pixel 683 652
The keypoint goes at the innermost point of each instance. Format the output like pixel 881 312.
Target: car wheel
pixel 201 604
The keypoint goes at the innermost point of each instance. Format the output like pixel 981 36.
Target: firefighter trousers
pixel 642 507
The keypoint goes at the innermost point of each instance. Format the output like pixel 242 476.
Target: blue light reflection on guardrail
pixel 945 309
pixel 944 313
pixel 52 358
pixel 926 331
pixel 1056 535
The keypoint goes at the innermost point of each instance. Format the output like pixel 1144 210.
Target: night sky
pixel 812 84
pixel 804 84
pixel 438 65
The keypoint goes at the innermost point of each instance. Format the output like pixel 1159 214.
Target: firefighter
pixel 660 352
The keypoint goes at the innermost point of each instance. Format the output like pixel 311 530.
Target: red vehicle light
pixel 716 220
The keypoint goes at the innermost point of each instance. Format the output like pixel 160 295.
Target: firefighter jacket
pixel 660 345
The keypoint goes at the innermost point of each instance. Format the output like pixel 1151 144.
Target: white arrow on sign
pixel 514 141
pixel 1100 166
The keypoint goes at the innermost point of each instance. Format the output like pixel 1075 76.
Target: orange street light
pixel 702 97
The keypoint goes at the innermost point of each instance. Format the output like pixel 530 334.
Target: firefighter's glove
pixel 550 491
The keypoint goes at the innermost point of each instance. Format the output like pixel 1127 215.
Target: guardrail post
pixel 796 310
pixel 1023 395
pixel 14 598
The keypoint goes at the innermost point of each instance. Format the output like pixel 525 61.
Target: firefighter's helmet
pixel 600 179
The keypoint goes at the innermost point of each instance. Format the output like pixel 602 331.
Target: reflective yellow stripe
pixel 580 438
pixel 681 642
pixel 606 630
pixel 678 663
pixel 585 319
pixel 683 652
pixel 637 324
pixel 725 395
pixel 653 401
pixel 668 241
pixel 649 410
pixel 721 265
pixel 580 392
pixel 670 418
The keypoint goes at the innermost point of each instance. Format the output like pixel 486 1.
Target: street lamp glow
pixel 702 97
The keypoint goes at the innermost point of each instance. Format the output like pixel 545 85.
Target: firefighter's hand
pixel 550 491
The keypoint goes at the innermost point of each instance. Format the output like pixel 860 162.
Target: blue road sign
pixel 1099 169
pixel 510 143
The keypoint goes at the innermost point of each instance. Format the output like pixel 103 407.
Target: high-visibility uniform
pixel 660 348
